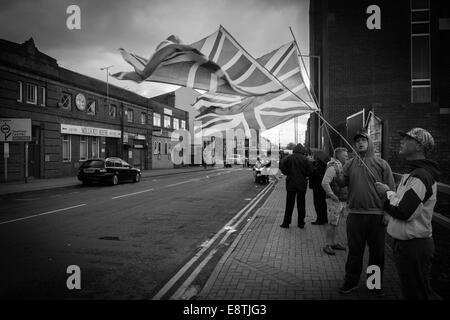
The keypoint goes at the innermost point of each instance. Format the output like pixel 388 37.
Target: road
pixel 128 240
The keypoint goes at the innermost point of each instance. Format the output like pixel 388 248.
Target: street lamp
pixel 107 83
pixel 319 89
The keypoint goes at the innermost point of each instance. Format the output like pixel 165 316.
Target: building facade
pixel 73 117
pixel 384 65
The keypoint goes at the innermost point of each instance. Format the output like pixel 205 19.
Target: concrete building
pixel 73 117
pixel 384 65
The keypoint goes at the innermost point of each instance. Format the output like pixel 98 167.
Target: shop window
pixel 183 124
pixel 143 118
pixel 65 101
pixel 112 111
pixel 95 147
pixel 66 150
pixel 166 121
pixel 19 91
pixel 157 120
pixel 83 148
pixel 31 94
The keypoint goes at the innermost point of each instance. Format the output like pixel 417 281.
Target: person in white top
pixel 411 209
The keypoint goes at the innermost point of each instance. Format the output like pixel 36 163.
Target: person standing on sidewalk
pixel 366 221
pixel 336 198
pixel 411 209
pixel 315 183
pixel 296 167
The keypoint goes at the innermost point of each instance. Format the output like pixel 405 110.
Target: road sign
pixel 15 130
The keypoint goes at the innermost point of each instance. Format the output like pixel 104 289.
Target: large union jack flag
pixel 220 112
pixel 217 64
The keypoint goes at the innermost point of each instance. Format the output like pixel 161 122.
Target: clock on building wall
pixel 80 101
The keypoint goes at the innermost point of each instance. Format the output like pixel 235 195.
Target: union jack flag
pixel 219 112
pixel 217 63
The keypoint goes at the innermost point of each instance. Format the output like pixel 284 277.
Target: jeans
pixel 362 229
pixel 413 259
pixel 290 202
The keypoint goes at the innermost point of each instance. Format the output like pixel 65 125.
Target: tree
pixel 290 146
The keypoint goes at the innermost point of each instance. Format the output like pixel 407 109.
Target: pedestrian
pixel 366 222
pixel 315 183
pixel 411 209
pixel 296 167
pixel 336 198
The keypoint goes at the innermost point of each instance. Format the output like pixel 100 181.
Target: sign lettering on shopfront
pixel 89 131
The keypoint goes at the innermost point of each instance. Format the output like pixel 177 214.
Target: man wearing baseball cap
pixel 411 209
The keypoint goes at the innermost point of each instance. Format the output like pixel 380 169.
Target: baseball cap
pixel 360 134
pixel 422 136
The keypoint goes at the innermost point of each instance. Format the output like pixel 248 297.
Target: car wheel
pixel 137 177
pixel 115 180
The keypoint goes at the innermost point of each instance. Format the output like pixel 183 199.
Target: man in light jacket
pixel 365 222
pixel 411 209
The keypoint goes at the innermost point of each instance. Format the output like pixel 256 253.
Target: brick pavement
pixel 268 262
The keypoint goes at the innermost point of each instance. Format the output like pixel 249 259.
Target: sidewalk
pixel 268 262
pixel 42 184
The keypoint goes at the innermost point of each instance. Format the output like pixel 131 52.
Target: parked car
pixel 234 159
pixel 109 170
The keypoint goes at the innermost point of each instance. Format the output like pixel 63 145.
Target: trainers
pixel 347 288
pixel 338 246
pixel 377 292
pixel 328 250
pixel 318 223
pixel 285 226
pixel 301 226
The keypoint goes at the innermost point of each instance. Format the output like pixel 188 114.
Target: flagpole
pixel 318 112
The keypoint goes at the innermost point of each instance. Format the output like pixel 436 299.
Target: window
pixel 66 152
pixel 157 119
pixel 166 121
pixel 83 148
pixel 129 115
pixel 143 118
pixel 65 101
pixel 117 163
pixel 95 147
pixel 176 124
pixel 19 89
pixel 42 96
pixel 159 147
pixel 183 124
pixel 420 52
pixel 91 108
pixel 112 111
pixel 165 148
pixel 31 94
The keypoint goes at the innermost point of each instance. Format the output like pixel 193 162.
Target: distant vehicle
pixel 109 170
pixel 234 159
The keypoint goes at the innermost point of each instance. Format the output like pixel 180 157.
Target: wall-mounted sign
pixel 89 131
pixel 167 111
pixel 80 101
pixel 15 130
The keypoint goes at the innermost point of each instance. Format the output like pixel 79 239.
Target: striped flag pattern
pixel 216 64
pixel 219 112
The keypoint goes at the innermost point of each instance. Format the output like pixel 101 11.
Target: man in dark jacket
pixel 315 183
pixel 296 167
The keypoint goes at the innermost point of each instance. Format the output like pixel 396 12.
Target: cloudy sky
pixel 260 26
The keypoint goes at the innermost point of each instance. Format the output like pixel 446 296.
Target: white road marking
pixel 131 194
pixel 205 247
pixel 176 184
pixel 42 214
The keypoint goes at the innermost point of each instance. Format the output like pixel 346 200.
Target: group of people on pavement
pixel 363 188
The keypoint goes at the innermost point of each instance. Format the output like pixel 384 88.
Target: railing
pixel 442 188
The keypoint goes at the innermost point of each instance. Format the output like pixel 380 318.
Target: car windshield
pixel 93 164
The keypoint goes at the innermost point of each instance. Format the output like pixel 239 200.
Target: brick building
pixel 74 117
pixel 398 75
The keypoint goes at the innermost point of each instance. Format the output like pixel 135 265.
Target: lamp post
pixel 319 93
pixel 107 83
